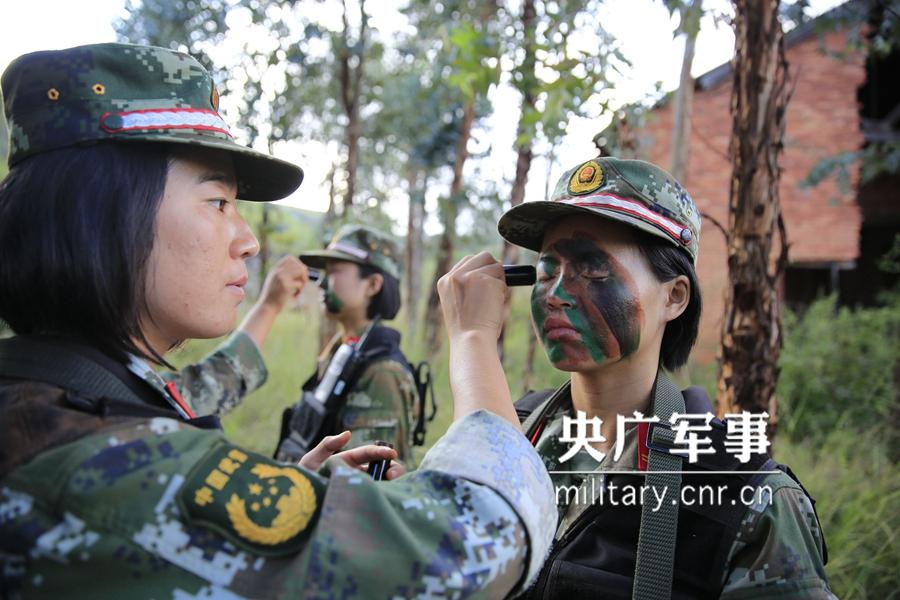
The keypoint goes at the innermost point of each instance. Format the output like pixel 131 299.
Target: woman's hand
pixel 284 282
pixel 473 294
pixel 356 458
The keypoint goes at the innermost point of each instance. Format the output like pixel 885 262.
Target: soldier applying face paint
pixel 120 237
pixel 360 279
pixel 617 305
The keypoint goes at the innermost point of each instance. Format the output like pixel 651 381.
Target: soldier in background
pixel 361 281
pixel 119 239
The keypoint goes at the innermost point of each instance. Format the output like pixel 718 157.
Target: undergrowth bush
pixel 839 369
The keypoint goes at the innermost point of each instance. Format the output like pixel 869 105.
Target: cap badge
pixel 586 178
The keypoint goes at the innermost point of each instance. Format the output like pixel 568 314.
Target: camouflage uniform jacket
pixel 383 403
pixel 122 506
pixel 778 551
pixel 219 382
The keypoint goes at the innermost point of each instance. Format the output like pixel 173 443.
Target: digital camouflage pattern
pixel 362 245
pixel 219 382
pixel 777 551
pixel 126 93
pixel 156 508
pixel 383 405
pixel 633 192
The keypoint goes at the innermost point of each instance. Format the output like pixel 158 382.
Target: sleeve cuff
pixel 486 449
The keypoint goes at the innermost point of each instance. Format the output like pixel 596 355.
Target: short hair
pixel 668 262
pixel 77 226
pixel 386 303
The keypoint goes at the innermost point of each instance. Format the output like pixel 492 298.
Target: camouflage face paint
pixel 333 304
pixel 592 312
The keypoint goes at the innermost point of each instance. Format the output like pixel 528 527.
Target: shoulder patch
pixel 586 178
pixel 259 504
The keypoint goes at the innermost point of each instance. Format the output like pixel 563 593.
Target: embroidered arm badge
pixel 261 505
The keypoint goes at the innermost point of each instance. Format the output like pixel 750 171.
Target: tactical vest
pixel 383 344
pixel 595 557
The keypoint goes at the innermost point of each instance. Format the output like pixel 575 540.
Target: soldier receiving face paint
pixel 616 304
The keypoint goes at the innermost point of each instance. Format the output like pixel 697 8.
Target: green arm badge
pixel 260 505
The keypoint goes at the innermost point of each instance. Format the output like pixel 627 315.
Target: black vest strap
pixel 94 388
pixel 39 360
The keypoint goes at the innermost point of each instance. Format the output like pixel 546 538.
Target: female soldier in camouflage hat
pixel 361 283
pixel 616 305
pixel 119 238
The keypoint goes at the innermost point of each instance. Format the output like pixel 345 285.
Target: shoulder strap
pixel 533 425
pixel 37 360
pixel 659 528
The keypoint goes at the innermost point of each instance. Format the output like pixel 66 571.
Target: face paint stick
pixel 519 275
pixel 378 468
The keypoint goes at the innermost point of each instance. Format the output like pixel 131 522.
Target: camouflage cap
pixel 361 245
pixel 126 93
pixel 634 192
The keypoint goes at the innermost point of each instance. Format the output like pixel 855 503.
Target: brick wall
pixel 822 120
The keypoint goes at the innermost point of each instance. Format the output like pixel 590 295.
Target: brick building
pixel 835 238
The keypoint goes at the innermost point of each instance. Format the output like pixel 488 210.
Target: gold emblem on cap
pixel 99 89
pixel 53 94
pixel 586 178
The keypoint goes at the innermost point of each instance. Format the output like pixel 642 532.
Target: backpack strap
pixel 424 385
pixel 37 360
pixel 535 421
pixel 93 387
pixel 658 531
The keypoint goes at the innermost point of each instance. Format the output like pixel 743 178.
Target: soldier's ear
pixel 373 284
pixel 678 295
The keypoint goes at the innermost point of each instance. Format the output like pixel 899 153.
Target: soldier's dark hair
pixel 77 226
pixel 386 303
pixel 668 262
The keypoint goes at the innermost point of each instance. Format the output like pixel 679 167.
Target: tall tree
pixel 474 69
pixel 525 79
pixel 555 81
pixel 690 13
pixel 351 61
pixel 751 332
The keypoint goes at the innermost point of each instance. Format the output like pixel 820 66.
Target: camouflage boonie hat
pixel 634 192
pixel 126 93
pixel 361 245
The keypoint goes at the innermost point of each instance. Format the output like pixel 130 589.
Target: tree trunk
pixel 414 236
pixel 751 334
pixel 684 97
pixel 524 144
pixel 351 76
pixel 263 245
pixel 528 371
pixel 327 327
pixel 433 320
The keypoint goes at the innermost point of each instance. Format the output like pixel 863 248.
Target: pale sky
pixel 643 29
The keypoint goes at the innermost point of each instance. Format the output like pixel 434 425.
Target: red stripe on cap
pixel 632 208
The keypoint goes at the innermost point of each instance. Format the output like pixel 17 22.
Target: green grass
pixel 858 502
